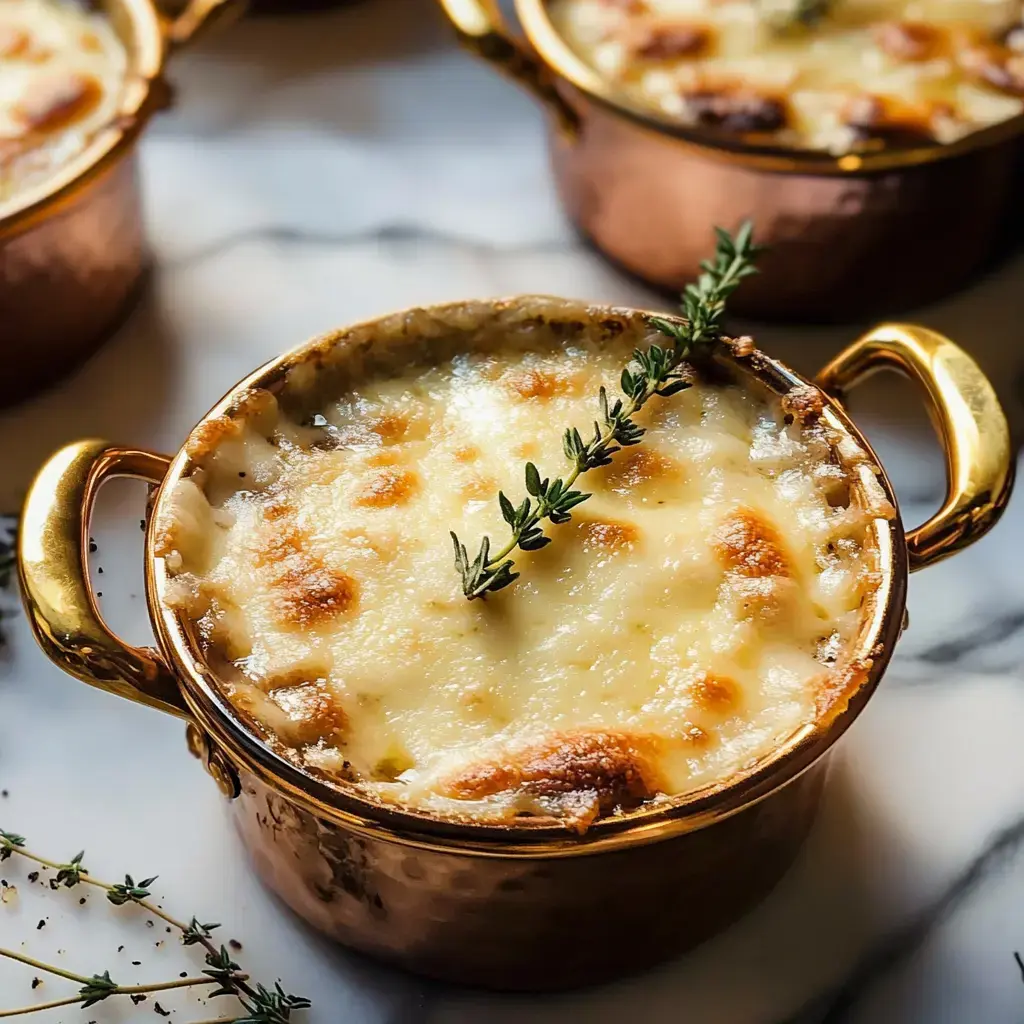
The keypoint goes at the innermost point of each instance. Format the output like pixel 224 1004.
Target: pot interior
pixel 336 363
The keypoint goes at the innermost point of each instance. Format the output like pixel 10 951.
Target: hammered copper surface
pixel 523 924
pixel 66 281
pixel 839 248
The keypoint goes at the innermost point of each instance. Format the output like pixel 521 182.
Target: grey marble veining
pixel 324 169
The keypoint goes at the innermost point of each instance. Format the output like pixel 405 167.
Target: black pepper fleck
pixel 138 998
pixel 42 924
pixel 36 982
pixel 136 963
pixel 100 570
pixel 157 1008
pixel 81 902
pixel 234 944
pixel 33 876
pixel 92 547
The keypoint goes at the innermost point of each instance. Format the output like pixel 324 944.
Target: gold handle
pixel 196 17
pixel 967 416
pixel 53 540
pixel 482 31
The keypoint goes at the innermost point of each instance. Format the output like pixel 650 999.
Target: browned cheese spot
pixel 14 42
pixel 210 434
pixel 90 42
pixel 466 453
pixel 640 466
pixel 58 101
pixel 669 41
pixel 613 766
pixel 537 384
pixel 908 40
pixel 307 591
pixel 737 109
pixel 805 404
pixel 892 122
pixel 388 488
pixel 390 427
pixel 715 693
pixel 314 712
pixel 607 535
pixel 747 544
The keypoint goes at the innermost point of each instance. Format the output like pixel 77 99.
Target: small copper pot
pixel 849 237
pixel 72 251
pixel 529 905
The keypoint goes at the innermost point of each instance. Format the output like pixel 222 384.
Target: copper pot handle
pixel 482 30
pixel 196 17
pixel 53 539
pixel 968 419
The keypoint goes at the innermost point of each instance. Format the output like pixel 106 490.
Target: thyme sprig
pixel 659 370
pixel 223 976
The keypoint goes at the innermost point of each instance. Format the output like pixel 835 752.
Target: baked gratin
pixel 841 76
pixel 699 608
pixel 62 75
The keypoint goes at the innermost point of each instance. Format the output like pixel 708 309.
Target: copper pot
pixel 850 236
pixel 530 905
pixel 72 251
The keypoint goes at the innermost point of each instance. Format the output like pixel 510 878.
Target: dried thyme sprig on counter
pixel 259 1004
pixel 657 371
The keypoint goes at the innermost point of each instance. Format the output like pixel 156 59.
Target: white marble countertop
pixel 320 170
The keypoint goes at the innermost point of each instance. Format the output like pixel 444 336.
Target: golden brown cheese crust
pixel 306 591
pixel 614 767
pixel 868 75
pixel 698 608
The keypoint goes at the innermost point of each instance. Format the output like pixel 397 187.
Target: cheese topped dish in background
pixel 860 75
pixel 62 74
pixel 696 611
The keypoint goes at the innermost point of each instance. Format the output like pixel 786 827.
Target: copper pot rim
pixel 346 805
pixel 561 61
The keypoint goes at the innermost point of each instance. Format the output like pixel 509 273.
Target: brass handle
pixel 196 17
pixel 53 541
pixel 967 416
pixel 482 31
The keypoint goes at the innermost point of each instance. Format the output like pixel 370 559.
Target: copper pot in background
pixel 72 251
pixel 850 237
pixel 529 905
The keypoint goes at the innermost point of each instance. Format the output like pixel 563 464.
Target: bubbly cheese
pixel 62 72
pixel 694 613
pixel 869 74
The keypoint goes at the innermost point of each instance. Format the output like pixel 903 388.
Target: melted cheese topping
pixel 869 74
pixel 62 71
pixel 690 617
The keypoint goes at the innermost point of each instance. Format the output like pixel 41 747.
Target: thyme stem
pixel 262 1005
pixel 657 371
pixel 48 968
